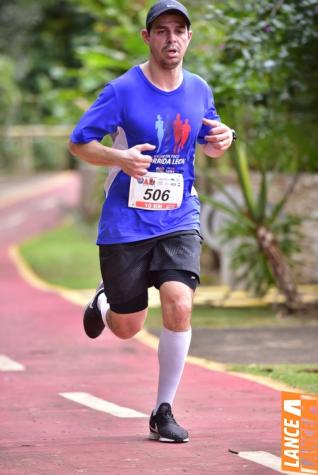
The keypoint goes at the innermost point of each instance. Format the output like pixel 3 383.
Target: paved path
pixel 263 345
pixel 43 432
pixel 258 345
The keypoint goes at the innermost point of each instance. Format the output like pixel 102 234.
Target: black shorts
pixel 128 269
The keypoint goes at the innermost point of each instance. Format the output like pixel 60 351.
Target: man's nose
pixel 171 37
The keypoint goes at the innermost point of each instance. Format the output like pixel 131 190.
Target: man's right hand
pixel 131 161
pixel 134 163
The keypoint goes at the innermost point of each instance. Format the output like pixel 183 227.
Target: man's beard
pixel 166 63
pixel 170 65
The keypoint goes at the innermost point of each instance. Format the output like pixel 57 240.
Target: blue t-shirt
pixel 134 111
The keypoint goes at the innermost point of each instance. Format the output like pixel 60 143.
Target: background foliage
pixel 260 58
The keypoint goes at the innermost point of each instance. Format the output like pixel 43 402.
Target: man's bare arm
pixel 132 161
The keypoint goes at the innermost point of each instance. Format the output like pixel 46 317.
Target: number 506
pixel 156 195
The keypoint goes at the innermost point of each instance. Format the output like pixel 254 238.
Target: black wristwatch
pixel 234 135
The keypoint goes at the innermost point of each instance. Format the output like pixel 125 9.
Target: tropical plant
pixel 265 238
pixel 260 58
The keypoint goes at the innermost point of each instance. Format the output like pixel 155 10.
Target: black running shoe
pixel 164 428
pixel 93 322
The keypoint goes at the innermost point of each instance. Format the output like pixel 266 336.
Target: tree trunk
pixel 280 268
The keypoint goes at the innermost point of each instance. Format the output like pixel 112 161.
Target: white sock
pixel 172 352
pixel 103 306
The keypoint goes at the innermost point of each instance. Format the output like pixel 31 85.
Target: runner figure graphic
pixel 186 129
pixel 177 132
pixel 160 131
pixel 181 133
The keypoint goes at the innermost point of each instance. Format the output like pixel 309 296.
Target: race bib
pixel 156 191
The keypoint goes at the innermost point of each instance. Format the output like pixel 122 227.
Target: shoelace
pixel 169 416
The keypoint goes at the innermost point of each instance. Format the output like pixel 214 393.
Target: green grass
pixel 65 256
pixel 304 377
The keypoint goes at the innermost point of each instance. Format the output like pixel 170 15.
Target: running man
pixel 148 232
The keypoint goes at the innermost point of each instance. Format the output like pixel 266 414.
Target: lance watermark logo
pixel 299 433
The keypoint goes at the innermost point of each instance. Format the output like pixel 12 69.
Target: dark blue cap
pixel 166 6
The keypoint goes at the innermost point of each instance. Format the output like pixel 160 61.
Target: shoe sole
pixel 155 436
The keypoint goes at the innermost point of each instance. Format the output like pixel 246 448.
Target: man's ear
pixel 190 35
pixel 145 35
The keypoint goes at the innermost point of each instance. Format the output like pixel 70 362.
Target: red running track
pixel 43 433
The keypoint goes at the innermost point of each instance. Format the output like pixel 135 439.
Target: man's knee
pixel 126 326
pixel 178 318
pixel 177 309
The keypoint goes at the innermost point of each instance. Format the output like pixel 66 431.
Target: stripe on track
pixel 266 459
pixel 98 404
pixel 7 364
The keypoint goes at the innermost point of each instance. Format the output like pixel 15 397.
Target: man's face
pixel 168 39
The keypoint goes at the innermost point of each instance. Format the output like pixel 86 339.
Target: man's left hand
pixel 220 136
